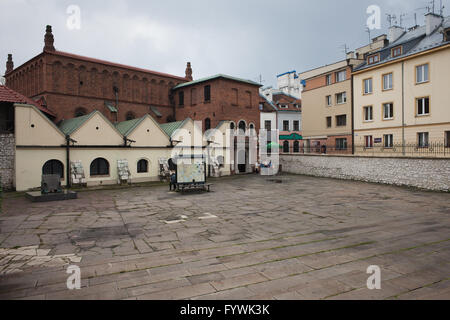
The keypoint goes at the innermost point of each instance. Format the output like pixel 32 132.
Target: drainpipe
pixel 68 160
pixel 353 116
pixel 403 108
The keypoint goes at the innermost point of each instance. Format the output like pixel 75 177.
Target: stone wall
pixel 7 161
pixel 431 174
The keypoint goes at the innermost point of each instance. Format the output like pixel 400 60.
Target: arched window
pixel 142 166
pixel 53 167
pixel 99 167
pixel 130 116
pixel 242 126
pixel 207 124
pixel 232 126
pixel 286 147
pixel 296 146
pixel 80 112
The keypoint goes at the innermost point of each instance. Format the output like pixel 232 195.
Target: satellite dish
pixel 2 81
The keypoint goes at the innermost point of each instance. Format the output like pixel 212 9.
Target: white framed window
pixel 328 79
pixel 423 106
pixel 341 76
pixel 341 144
pixel 368 86
pixel 341 98
pixel 388 111
pixel 422 73
pixel 388 140
pixel 368 113
pixel 328 100
pixel 447 139
pixel 387 81
pixel 422 139
pixel 368 140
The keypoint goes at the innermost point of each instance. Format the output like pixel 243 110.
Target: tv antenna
pixel 260 79
pixel 345 49
pixel 401 18
pixel 392 19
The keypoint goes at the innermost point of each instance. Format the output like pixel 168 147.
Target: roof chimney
pixel 9 64
pixel 49 40
pixel 395 32
pixel 189 72
pixel 432 21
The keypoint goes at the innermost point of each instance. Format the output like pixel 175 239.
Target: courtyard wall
pixel 7 160
pixel 430 174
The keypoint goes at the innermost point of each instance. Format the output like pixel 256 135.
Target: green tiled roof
pixel 170 128
pixel 71 125
pixel 182 85
pixel 127 127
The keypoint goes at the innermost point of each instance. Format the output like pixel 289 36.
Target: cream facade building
pixel 98 144
pixel 402 96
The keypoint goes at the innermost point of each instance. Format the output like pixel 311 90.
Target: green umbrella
pixel 274 145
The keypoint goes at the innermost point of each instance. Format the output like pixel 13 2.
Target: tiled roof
pixel 9 95
pixel 217 76
pixel 126 127
pixel 71 125
pixel 170 128
pixel 118 65
pixel 413 42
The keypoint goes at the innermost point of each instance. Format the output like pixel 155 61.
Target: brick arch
pixel 71 81
pixel 93 81
pixel 126 90
pixel 57 75
pixel 107 84
pixel 136 89
pixel 145 90
pixel 83 81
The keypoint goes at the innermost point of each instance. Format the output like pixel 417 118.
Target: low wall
pixel 431 174
pixel 7 161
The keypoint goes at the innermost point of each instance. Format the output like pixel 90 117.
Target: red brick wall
pixel 223 103
pixel 321 81
pixel 69 83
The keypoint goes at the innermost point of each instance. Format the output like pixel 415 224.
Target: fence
pixel 434 149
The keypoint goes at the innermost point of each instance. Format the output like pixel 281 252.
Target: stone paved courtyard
pixel 304 238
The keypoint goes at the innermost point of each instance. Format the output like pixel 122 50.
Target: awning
pixel 294 136
pixel 156 111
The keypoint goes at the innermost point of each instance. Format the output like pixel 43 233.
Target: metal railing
pixel 433 149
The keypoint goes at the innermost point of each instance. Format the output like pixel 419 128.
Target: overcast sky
pixel 243 38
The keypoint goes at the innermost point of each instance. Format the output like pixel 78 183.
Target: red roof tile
pixel 93 60
pixel 9 95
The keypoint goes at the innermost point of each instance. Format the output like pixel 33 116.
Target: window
pixel 368 83
pixel 329 120
pixel 341 98
pixel 423 106
pixel 296 125
pixel 207 93
pixel 341 121
pixel 285 125
pixel 328 79
pixel 296 146
pixel 242 126
pixel 422 73
pixel 373 59
pixel 232 126
pixel 368 141
pixel 328 101
pixel 53 167
pixel 181 98
pixel 368 113
pixel 397 51
pixel 286 147
pixel 388 111
pixel 130 116
pixel 142 166
pixel 388 140
pixel 341 144
pixel 387 82
pixel 341 76
pixel 268 125
pixel 422 138
pixel 207 124
pixel 80 112
pixel 99 167
pixel 447 139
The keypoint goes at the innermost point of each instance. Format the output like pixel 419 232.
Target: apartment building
pixel 401 93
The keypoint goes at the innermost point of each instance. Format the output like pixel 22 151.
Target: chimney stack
pixel 189 72
pixel 49 40
pixel 395 32
pixel 432 21
pixel 9 64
